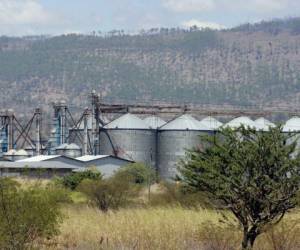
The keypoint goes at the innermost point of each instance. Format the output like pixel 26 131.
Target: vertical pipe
pixel 38 139
pixel 10 130
pixel 85 137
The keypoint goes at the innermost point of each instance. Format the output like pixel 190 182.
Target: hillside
pixel 253 64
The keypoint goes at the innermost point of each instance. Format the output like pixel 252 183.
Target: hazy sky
pixel 33 17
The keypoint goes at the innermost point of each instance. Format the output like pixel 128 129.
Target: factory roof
pixel 184 122
pixel 87 158
pixel 243 120
pixel 39 158
pixel 263 124
pixel 292 125
pixel 211 122
pixel 154 122
pixel 127 121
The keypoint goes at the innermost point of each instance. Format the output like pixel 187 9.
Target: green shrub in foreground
pixel 26 214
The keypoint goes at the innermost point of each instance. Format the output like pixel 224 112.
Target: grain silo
pixel 292 126
pixel 173 139
pixel 212 123
pixel 129 137
pixel 70 150
pixel 154 122
pixel 263 124
pixel 237 122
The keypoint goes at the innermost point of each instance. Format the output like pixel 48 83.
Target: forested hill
pixel 253 64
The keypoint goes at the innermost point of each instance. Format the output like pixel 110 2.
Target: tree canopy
pixel 252 173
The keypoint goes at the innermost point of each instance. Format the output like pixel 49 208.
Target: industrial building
pixel 44 166
pixel 157 136
pixel 105 164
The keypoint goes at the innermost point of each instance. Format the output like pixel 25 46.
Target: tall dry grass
pixel 163 229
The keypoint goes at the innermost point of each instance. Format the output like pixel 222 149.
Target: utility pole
pixel 10 139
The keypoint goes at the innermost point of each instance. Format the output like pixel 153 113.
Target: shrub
pixel 26 214
pixel 108 193
pixel 138 173
pixel 74 179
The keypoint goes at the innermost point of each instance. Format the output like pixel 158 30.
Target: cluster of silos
pixel 131 138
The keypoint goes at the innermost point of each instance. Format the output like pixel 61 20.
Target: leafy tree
pixel 26 214
pixel 254 174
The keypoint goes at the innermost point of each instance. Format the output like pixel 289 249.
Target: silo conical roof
pixel 292 125
pixel 211 123
pixel 10 152
pixel 128 121
pixel 184 122
pixel 263 124
pixel 154 122
pixel 21 152
pixel 243 120
pixel 72 146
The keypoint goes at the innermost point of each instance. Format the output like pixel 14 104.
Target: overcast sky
pixel 34 17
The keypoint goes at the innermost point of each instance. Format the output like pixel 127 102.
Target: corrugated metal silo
pixel 129 137
pixel 243 120
pixel 263 124
pixel 173 139
pixel 211 122
pixel 293 126
pixel 154 122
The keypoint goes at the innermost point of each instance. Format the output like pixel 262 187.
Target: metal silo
pixel 237 122
pixel 212 123
pixel 292 126
pixel 129 137
pixel 70 150
pixel 263 124
pixel 173 139
pixel 154 122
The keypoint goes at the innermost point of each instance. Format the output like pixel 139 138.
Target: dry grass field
pixel 163 228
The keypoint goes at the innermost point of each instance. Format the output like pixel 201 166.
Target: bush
pixel 26 214
pixel 73 180
pixel 137 173
pixel 109 193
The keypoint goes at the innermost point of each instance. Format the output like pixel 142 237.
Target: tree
pixel 254 174
pixel 27 214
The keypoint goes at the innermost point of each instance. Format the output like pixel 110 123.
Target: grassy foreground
pixel 162 228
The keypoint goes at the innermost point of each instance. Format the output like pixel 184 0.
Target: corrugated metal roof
pixel 243 120
pixel 184 122
pixel 86 158
pixel 40 158
pixel 263 124
pixel 292 125
pixel 211 123
pixel 154 122
pixel 128 121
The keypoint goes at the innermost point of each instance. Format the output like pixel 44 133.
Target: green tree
pixel 254 174
pixel 26 214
